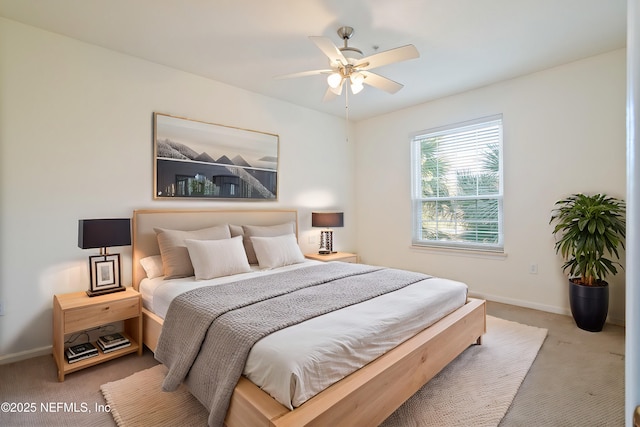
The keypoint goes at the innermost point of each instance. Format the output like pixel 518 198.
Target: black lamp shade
pixel 327 219
pixel 104 233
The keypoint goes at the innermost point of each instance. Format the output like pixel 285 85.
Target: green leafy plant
pixel 590 228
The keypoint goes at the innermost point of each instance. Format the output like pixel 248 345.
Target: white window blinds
pixel 457 185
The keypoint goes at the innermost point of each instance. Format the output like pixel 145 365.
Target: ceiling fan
pixel 347 65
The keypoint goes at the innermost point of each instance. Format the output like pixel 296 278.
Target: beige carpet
pixel 475 389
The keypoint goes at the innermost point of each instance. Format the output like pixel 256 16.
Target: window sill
pixel 473 253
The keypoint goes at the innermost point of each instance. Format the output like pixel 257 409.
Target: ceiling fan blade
pixel 381 83
pixel 328 48
pixel 304 74
pixel 388 57
pixel 329 95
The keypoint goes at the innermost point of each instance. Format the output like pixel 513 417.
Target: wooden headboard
pixel 144 221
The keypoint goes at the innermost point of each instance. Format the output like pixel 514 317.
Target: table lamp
pixel 104 268
pixel 327 220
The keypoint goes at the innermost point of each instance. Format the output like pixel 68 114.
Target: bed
pixel 364 397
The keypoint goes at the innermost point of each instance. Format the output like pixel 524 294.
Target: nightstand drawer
pixel 100 314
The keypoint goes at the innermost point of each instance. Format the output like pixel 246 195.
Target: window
pixel 457 186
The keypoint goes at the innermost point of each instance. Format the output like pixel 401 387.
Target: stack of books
pixel 81 351
pixel 112 342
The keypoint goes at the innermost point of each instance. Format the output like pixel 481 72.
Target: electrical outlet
pixel 533 268
pixel 1 308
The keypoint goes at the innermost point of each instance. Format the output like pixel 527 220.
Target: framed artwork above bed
pixel 199 160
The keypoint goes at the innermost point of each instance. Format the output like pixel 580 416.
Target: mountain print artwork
pixel 202 160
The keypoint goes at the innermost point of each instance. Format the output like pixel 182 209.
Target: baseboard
pixel 534 306
pixel 23 355
pixel 521 303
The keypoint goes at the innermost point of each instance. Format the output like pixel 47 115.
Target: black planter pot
pixel 589 305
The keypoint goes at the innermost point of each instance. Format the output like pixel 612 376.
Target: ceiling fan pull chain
pixel 346 111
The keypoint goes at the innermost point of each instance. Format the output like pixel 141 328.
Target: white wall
pixel 76 142
pixel 564 132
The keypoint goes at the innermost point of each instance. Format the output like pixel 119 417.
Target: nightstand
pixel 77 312
pixel 336 256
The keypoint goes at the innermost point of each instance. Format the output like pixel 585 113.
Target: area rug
pixel 475 389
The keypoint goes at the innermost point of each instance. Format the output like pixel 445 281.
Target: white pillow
pixel 175 257
pixel 277 251
pixel 216 258
pixel 152 266
pixel 263 231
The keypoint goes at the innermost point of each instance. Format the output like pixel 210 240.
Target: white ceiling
pixel 463 44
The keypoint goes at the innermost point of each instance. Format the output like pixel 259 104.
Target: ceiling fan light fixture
pixel 356 88
pixel 334 80
pixel 338 90
pixel 357 78
pixel 357 81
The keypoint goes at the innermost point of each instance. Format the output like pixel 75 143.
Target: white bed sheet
pixel 296 363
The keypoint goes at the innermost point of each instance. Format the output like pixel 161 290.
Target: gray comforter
pixel 208 332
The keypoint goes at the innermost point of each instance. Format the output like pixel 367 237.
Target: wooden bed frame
pixel 367 396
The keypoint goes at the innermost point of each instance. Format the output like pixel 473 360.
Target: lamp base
pixel 326 242
pixel 106 291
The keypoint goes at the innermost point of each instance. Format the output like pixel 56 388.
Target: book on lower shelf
pixel 79 358
pixel 112 341
pixel 80 352
pixel 113 347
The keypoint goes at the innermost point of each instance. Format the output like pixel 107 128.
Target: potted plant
pixel 589 229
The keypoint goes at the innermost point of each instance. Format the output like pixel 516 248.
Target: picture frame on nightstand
pixel 105 274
